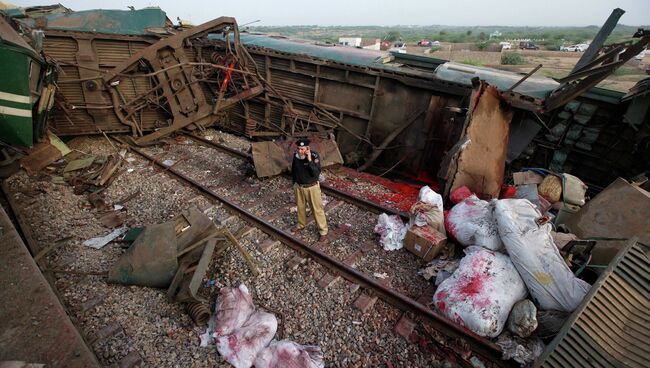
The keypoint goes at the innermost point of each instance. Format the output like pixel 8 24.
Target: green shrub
pixel 511 58
pixel 472 62
pixel 435 48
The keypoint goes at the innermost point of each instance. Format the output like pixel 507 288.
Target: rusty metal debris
pixel 479 161
pixel 274 157
pixel 175 255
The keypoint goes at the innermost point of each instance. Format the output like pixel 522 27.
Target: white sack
pixel 392 231
pixel 530 246
pixel 471 222
pixel 481 292
pixel 234 306
pixel 242 346
pixel 288 354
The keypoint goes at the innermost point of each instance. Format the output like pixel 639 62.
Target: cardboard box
pixel 425 242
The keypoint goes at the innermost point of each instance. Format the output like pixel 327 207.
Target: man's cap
pixel 302 142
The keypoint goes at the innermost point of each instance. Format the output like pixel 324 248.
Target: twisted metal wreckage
pixel 402 113
pixel 410 114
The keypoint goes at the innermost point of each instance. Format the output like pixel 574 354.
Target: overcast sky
pixel 384 12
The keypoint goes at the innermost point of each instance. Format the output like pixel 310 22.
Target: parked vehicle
pixel 399 45
pixel 505 45
pixel 435 43
pixel 425 43
pixel 575 48
pixel 526 45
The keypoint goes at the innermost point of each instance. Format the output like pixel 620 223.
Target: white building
pixel 365 43
pixel 350 41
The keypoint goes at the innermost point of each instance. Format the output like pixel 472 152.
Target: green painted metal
pixel 129 22
pixel 535 86
pixel 15 97
pixel 339 54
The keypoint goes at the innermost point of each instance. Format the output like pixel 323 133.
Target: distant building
pixel 496 34
pixel 365 43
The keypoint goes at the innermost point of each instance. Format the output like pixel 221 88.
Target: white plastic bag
pixel 481 292
pixel 427 195
pixel 530 246
pixel 234 306
pixel 392 231
pixel 242 346
pixel 288 354
pixel 471 222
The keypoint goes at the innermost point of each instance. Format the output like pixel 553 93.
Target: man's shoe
pixel 322 238
pixel 296 229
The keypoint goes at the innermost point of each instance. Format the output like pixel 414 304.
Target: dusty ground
pixel 118 320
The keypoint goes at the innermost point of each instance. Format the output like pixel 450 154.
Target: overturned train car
pixel 399 113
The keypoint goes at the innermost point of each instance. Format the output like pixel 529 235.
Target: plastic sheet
pixel 530 246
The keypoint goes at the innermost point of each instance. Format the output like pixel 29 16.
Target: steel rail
pixel 334 192
pixel 478 344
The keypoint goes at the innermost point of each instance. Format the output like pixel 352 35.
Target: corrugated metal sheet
pixel 61 48
pixel 611 328
pixel 293 85
pixel 113 52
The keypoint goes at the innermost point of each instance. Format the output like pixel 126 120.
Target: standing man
pixel 305 170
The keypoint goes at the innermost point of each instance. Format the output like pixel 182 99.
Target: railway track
pixel 254 212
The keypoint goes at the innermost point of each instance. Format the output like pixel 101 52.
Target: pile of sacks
pixel 426 212
pixel 549 191
pixel 510 254
pixel 243 336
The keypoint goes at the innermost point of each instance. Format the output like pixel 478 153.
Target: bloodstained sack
pixel 471 222
pixel 242 346
pixel 234 306
pixel 530 246
pixel 288 354
pixel 481 292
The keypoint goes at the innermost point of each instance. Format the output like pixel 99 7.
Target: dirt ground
pixel 555 64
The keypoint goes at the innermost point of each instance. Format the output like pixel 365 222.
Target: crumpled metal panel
pixel 611 328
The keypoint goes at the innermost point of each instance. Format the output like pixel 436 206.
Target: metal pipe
pixel 478 344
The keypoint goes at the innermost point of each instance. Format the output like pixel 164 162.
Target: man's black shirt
pixel 305 172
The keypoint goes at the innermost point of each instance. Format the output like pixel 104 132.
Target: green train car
pixel 26 89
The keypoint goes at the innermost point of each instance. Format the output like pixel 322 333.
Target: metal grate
pixel 611 328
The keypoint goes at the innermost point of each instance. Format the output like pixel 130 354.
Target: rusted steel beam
pixel 478 344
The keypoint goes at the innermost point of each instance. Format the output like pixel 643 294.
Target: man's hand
pixel 308 154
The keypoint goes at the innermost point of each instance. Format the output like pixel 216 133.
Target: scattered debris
pixel 441 269
pixel 523 318
pixel 522 351
pixel 44 153
pixel 619 211
pixel 391 230
pixel 100 242
pixel 274 158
